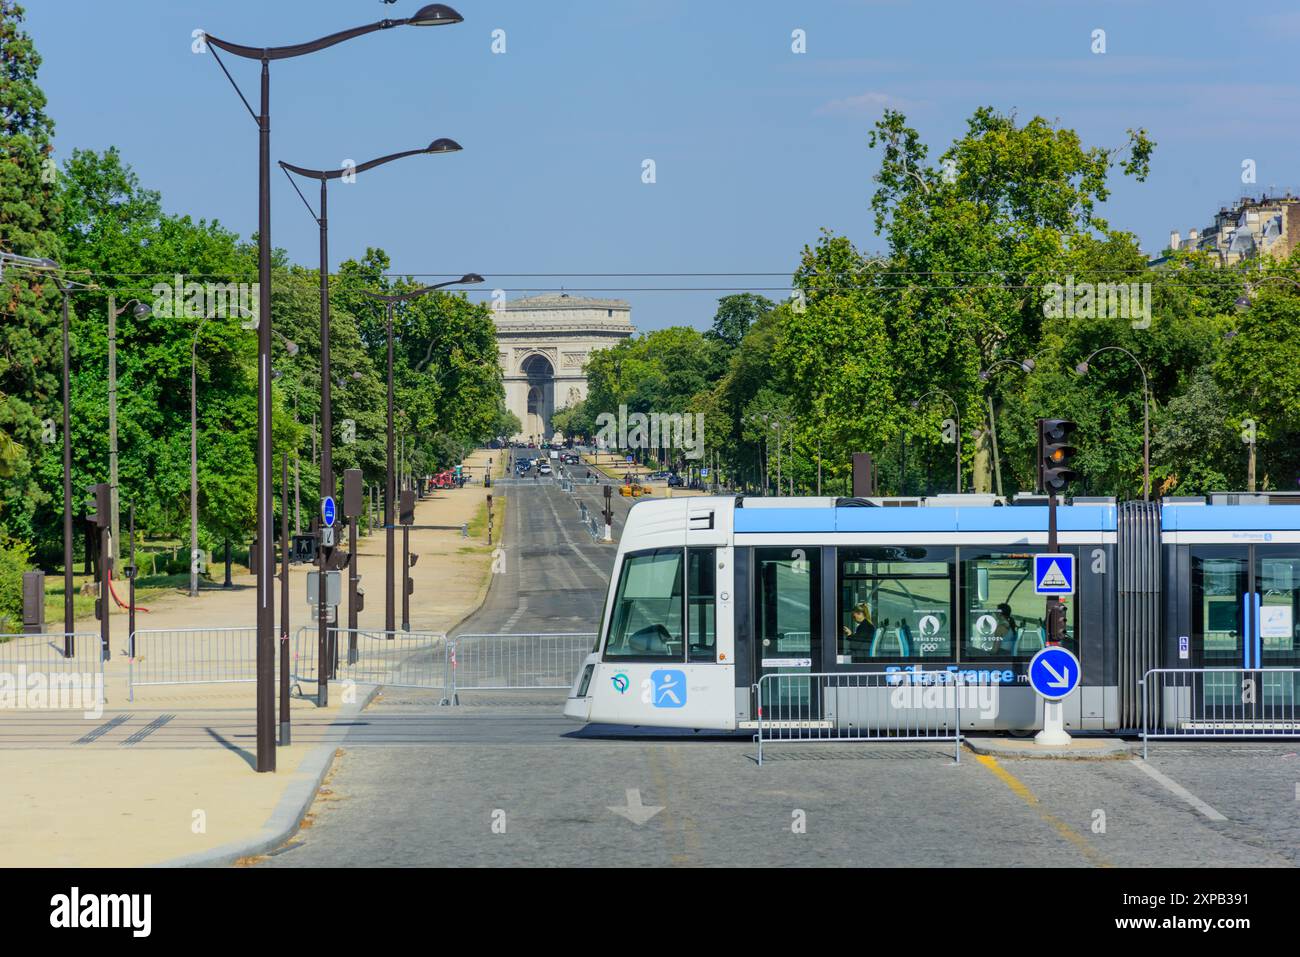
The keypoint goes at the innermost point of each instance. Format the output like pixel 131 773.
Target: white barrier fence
pixel 432 661
pixel 396 659
pixel 190 656
pixel 514 662
pixel 866 706
pixel 41 675
pixel 1220 703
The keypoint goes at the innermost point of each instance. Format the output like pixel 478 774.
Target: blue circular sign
pixel 327 511
pixel 1054 672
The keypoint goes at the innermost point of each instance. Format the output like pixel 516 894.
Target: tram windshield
pixel 647 620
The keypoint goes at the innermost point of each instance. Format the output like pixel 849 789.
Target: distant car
pixel 544 468
pixel 657 476
pixel 676 481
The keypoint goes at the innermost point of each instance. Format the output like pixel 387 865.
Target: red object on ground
pixel 121 604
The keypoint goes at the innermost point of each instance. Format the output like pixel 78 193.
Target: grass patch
pixel 478 524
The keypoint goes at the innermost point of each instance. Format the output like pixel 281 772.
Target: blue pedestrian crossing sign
pixel 1054 673
pixel 328 512
pixel 1053 574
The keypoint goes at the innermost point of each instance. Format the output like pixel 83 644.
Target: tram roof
pixel 1193 517
pixel 804 517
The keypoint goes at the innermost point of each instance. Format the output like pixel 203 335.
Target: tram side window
pixel 895 604
pixel 1005 619
pixel 647 619
pixel 701 619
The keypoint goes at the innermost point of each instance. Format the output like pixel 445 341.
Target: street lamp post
pixel 390 489
pixel 139 310
pixel 69 649
pixel 956 411
pixel 324 553
pixel 1082 369
pixel 433 14
pixel 1026 366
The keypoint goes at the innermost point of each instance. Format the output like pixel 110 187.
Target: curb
pixel 1084 749
pixel 293 804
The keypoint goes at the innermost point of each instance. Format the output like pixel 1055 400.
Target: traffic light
pixel 302 548
pixel 99 504
pixel 1055 453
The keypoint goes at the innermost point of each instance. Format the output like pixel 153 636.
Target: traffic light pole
pixel 284 601
pixel 1053 619
pixel 105 570
pixel 130 577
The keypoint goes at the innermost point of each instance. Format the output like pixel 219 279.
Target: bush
pixel 15 558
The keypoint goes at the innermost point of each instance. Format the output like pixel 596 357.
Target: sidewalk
pixel 168 777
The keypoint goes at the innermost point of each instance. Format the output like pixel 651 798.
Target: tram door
pixel 787 631
pixel 1246 614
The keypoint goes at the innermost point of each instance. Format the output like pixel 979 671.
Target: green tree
pixel 30 347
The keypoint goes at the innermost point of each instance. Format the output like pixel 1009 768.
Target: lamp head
pixel 141 309
pixel 1028 365
pixel 1242 302
pixel 434 15
pixel 1081 368
pixel 471 278
pixel 443 145
pixel 984 375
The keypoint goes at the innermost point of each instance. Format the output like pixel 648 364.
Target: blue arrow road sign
pixel 1054 574
pixel 327 511
pixel 1054 673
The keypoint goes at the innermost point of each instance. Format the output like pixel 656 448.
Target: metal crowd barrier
pixel 397 659
pixel 37 662
pixel 513 662
pixel 190 656
pixel 1220 703
pixel 865 706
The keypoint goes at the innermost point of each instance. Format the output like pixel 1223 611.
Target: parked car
pixel 675 481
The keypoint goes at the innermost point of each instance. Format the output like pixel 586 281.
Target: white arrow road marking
pixel 635 811
pixel 1062 681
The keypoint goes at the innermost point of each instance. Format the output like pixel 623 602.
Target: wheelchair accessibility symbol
pixel 668 688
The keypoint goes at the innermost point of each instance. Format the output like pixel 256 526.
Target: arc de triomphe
pixel 543 343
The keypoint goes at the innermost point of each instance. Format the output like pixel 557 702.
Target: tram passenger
pixel 1005 631
pixel 862 632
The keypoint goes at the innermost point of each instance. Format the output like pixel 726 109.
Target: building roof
pixel 562 300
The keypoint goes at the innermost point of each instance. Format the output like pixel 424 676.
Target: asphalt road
pixel 505 779
pixel 554 576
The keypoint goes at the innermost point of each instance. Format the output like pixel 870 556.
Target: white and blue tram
pixel 710 594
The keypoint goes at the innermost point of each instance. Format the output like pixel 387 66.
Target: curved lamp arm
pixel 435 14
pixel 468 279
pixel 441 145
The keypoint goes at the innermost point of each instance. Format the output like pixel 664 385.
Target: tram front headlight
pixel 585 683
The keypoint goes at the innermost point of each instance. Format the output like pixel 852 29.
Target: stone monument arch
pixel 543 343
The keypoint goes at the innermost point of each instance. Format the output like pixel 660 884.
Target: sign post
pixel 325 656
pixel 1053 674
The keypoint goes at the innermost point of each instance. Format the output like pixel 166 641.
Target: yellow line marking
pixel 1019 789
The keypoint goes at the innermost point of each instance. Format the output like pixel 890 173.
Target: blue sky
pixel 756 147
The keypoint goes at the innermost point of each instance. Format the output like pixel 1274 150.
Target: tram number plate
pixel 787 662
